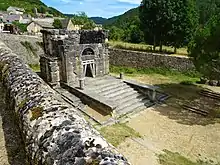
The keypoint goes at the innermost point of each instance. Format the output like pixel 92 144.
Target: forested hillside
pixel 29 6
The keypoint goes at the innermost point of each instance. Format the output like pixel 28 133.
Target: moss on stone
pixel 36 113
pixel 22 103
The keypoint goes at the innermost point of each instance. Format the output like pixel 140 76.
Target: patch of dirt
pixel 159 133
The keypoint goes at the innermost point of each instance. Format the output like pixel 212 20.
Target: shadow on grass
pixel 189 95
pixel 13 140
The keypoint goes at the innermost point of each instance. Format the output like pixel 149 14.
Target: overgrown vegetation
pixel 30 48
pixel 21 27
pixel 171 158
pixel 117 133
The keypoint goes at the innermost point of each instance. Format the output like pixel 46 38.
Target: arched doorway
pixel 88 62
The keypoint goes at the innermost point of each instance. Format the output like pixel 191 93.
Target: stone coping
pixel 54 132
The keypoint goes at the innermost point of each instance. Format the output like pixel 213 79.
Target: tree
pixel 115 33
pixel 205 49
pixel 82 19
pixel 155 19
pixel 183 23
pixel 57 24
pixel 168 22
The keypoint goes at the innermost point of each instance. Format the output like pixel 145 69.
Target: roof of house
pixel 15 8
pixel 44 24
pixel 65 22
pixel 13 17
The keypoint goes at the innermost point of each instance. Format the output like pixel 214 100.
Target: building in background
pixel 36 26
pixel 15 10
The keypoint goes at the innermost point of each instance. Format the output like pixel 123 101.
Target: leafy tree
pixel 205 49
pixel 57 24
pixel 82 19
pixel 183 23
pixel 115 33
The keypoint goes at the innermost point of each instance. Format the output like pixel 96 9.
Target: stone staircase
pixel 127 99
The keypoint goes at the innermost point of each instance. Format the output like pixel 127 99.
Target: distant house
pixel 15 10
pixel 14 17
pixel 37 26
pixel 26 19
pixel 68 25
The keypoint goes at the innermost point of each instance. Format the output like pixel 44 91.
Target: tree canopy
pixel 168 22
pixel 82 19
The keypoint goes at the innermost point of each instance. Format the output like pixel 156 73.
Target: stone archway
pixel 88 62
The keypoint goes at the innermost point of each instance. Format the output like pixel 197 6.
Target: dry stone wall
pixel 14 42
pixel 54 132
pixel 135 59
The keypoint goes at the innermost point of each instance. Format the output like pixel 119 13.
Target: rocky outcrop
pixel 54 132
pixel 135 59
pixel 28 48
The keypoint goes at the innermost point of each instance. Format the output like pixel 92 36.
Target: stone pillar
pixel 82 83
pixel 54 73
pixel 121 75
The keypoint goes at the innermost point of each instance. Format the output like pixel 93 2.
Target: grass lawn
pixel 146 48
pixel 117 133
pixel 171 158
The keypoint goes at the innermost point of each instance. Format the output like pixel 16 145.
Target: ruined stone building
pixel 73 55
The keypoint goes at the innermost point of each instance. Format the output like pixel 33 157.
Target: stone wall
pixel 135 59
pixel 54 133
pixel 14 43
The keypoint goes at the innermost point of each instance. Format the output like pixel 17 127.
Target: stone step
pixel 108 88
pixel 121 92
pixel 115 90
pixel 102 82
pixel 130 101
pixel 135 107
pixel 100 87
pixel 123 95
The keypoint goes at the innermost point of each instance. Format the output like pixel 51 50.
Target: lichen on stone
pixel 36 113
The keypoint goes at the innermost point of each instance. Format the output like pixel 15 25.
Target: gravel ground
pixel 159 133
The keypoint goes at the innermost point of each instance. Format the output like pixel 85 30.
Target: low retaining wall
pixel 53 132
pixel 135 59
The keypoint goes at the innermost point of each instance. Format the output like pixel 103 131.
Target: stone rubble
pixel 54 133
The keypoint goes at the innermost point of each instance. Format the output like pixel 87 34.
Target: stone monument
pixel 70 56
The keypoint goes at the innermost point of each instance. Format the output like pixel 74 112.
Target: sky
pixel 93 8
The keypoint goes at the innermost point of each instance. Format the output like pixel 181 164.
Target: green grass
pixel 171 158
pixel 146 48
pixel 187 78
pixel 117 133
pixel 35 67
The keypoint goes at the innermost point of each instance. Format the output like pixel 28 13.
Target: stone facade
pixel 54 132
pixel 72 55
pixel 135 59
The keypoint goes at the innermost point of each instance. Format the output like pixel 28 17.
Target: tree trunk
pixel 175 50
pixel 161 46
pixel 154 43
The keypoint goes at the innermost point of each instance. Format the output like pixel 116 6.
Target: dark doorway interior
pixel 89 71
